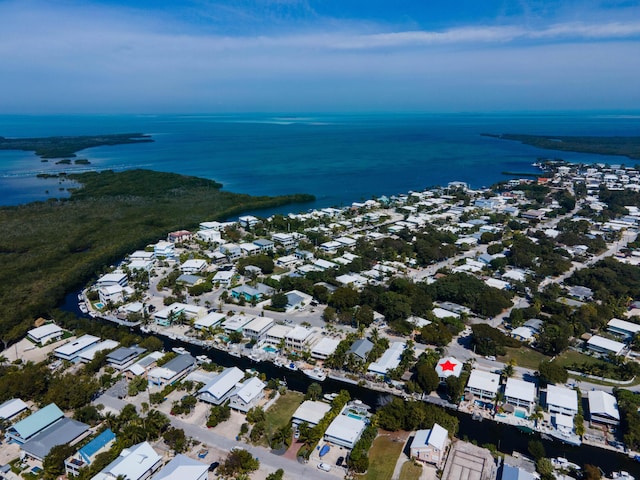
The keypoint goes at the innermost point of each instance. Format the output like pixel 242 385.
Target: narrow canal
pixel 506 437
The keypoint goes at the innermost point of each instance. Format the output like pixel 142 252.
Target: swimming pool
pixel 269 349
pixel 520 414
pixel 353 415
pixel 99 305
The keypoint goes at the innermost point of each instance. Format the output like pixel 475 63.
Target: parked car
pixel 324 466
pixel 213 466
pixel 340 461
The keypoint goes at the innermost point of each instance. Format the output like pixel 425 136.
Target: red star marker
pixel 448 365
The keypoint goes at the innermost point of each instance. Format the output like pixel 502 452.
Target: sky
pixel 222 56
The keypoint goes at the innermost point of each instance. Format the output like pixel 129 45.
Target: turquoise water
pixel 353 415
pixel 270 349
pixel 99 305
pixel 340 159
pixel 520 414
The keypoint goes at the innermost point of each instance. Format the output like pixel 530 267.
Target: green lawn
pixel 410 471
pixel 524 357
pixel 383 456
pixel 281 412
pixel 569 357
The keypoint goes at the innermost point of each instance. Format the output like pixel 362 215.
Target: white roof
pixel 562 397
pixel 299 333
pixel 311 412
pixel 606 344
pixel 520 389
pixel 326 346
pixel 223 275
pixel 209 320
pixel 112 289
pixel 489 382
pixel 132 463
pixel 192 263
pixel 221 384
pixel 346 428
pixel 250 389
pixel 161 372
pixel 182 467
pixel 44 331
pixel 236 323
pixel 448 367
pixel 76 345
pixel 443 313
pixel 259 323
pixel 437 437
pixel 624 325
pixel 564 420
pixel 389 360
pixel 104 345
pixel 524 332
pixel 11 407
pixel 603 403
pixel 279 331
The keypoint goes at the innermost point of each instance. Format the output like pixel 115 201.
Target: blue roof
pixel 90 449
pixel 38 421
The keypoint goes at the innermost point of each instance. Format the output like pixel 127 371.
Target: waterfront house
pixel 179 236
pixel 172 371
pixel 87 454
pixel 257 328
pixel 138 462
pixel 124 356
pixel 264 245
pixel 111 294
pixel 324 348
pixel 182 467
pixel 389 360
pixel 483 385
pixel 12 408
pixel 429 446
pixel 34 424
pixel 603 408
pixel 218 390
pixel 45 334
pixel 248 221
pixel 70 351
pixel 142 366
pixel 193 266
pixel 448 367
pixel 115 278
pixel 276 334
pixel 562 400
pixel 247 395
pixel 61 432
pixel 88 354
pixel 310 412
pixel 210 320
pixel 345 430
pixel 298 338
pixel 164 250
pixel 360 348
pixel 236 323
pixel 520 393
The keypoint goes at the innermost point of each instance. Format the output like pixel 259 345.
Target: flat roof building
pixel 70 351
pixel 483 384
pixel 310 412
pixel 562 400
pixel 345 431
pixel 45 333
pixel 182 467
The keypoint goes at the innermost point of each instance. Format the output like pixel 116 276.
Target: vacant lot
pixel 383 456
pixel 280 413
pixel 410 471
pixel 524 357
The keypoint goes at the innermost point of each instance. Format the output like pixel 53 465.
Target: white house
pixel 448 367
pixel 483 384
pixel 276 334
pixel 111 294
pixel 603 408
pixel 604 345
pixel 164 249
pixel 182 467
pixel 223 277
pixel 623 328
pixel 11 408
pixel 429 446
pixel 193 265
pixel 562 400
pixel 45 333
pixel 115 278
pixel 389 360
pixel 171 371
pixel 218 390
pixel 310 412
pixel 345 431
pixel 135 463
pixel 520 393
pixel 298 338
pixel 257 328
pixel 70 351
pixel 324 348
pixel 247 395
pixel 210 320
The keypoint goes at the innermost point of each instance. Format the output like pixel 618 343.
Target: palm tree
pixel 375 335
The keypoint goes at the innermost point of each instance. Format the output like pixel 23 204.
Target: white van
pixel 324 466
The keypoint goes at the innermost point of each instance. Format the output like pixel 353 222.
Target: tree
pixel 279 300
pixel 329 314
pixel 53 464
pixel 426 377
pixel 552 372
pixel 176 439
pixel 364 316
pixel 239 461
pixel 591 472
pixel 277 475
pixel 314 392
pixel 536 449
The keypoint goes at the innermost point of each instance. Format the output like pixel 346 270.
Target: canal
pixel 507 438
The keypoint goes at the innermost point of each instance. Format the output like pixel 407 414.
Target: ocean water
pixel 339 158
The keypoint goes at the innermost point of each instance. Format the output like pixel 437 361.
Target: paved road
pixel 206 436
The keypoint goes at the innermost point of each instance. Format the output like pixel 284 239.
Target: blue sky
pixel 209 56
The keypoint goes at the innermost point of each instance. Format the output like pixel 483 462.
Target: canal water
pixel 506 437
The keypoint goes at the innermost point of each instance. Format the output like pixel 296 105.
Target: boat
pixel 330 397
pixel 291 366
pixel 622 475
pixel 477 416
pixel 180 350
pixel 234 353
pixel 203 359
pixel 324 450
pixel 315 373
pixel 83 308
pixel 561 463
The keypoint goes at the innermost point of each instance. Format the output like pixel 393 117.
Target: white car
pixel 324 466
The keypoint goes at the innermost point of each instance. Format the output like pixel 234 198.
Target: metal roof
pixel 182 467
pixel 61 432
pixel 94 446
pixel 38 421
pixel 603 403
pixel 223 383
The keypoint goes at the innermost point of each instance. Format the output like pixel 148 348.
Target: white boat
pixel 315 373
pixel 561 463
pixel 234 353
pixel 203 359
pixel 180 350
pixel 83 308
pixel 330 396
pixel 622 475
pixel 291 366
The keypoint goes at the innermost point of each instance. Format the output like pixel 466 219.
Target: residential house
pixel 275 335
pixel 345 430
pixel 448 367
pixel 264 245
pixel 87 454
pixel 603 408
pixel 182 467
pixel 247 395
pixel 223 277
pixel 35 423
pixel 248 221
pixel 45 334
pixel 138 462
pixel 324 348
pixel 429 446
pixel 12 408
pixel 562 400
pixel 208 321
pixel 172 371
pixel 310 412
pixel 142 366
pixel 520 393
pixel 360 348
pixel 623 328
pixel 298 338
pixel 605 346
pixel 389 360
pixel 193 266
pixel 483 385
pixel 70 351
pixel 61 432
pixel 218 390
pixel 122 357
pixel 257 328
pixel 115 278
pixel 179 236
pixel 88 354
